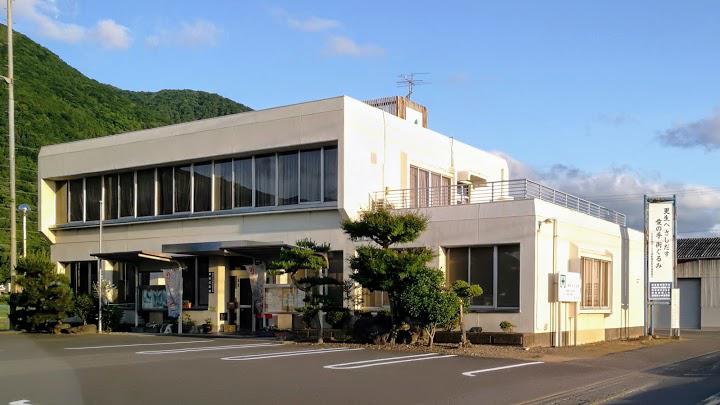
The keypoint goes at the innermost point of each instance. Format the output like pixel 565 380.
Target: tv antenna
pixel 409 81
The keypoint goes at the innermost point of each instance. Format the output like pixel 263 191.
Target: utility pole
pixel 100 289
pixel 11 146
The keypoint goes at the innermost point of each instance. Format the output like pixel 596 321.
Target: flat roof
pixel 249 248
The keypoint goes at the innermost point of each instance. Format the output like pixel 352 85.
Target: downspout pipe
pixel 555 305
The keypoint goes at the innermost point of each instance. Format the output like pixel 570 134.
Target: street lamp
pixel 24 209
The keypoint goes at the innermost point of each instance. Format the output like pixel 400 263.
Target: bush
pixel 427 303
pixel 506 326
pixel 309 315
pixel 368 328
pixel 45 296
pixel 84 307
pixel 339 318
pixel 112 318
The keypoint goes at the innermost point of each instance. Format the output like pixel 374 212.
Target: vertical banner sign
pixel 173 287
pixel 256 273
pixel 661 249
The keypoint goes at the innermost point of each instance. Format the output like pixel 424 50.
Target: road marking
pixel 139 344
pixel 208 348
pixel 487 370
pixel 387 360
pixel 274 355
pixel 711 400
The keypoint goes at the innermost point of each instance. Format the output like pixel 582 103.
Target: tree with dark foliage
pixel 45 297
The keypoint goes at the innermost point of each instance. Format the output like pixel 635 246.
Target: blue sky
pixel 607 99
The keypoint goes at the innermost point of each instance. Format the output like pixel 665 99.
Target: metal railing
pixel 509 190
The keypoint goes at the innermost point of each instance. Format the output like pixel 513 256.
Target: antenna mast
pixel 409 81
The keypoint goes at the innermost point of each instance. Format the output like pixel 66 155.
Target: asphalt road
pixel 122 369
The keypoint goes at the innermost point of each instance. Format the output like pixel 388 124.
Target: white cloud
pixel 344 46
pixel 43 14
pixel 313 24
pixel 112 35
pixel 196 34
pixel 704 133
pixel 309 24
pixel 622 189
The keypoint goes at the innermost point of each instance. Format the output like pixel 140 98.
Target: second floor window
pixel 146 192
pixel 428 188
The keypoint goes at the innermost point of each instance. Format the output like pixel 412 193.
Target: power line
pixel 680 191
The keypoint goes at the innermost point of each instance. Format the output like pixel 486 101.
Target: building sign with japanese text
pixel 661 249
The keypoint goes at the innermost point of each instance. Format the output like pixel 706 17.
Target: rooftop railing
pixel 509 190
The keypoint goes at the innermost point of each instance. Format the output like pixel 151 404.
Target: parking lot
pixel 182 370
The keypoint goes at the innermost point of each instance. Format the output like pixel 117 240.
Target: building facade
pixel 698 278
pixel 221 197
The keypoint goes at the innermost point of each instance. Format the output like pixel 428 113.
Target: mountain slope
pixel 55 103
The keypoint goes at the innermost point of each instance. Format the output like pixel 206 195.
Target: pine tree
pixel 383 267
pixel 310 259
pixel 45 297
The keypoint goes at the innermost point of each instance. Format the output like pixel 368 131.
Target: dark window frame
pixel 494 307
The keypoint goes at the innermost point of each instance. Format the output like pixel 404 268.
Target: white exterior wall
pixel 375 150
pixel 578 235
pixel 379 148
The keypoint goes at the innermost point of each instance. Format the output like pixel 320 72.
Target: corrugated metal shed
pixel 698 248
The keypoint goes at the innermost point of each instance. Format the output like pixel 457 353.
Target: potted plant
pixel 186 304
pixel 506 326
pixel 207 327
pixel 187 323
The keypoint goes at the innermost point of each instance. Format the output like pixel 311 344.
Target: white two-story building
pixel 221 194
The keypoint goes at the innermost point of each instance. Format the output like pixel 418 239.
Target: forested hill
pixel 55 103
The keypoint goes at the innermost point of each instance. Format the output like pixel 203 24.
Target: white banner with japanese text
pixel 661 249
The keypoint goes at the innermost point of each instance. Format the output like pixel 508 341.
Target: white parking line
pixel 711 400
pixel 487 370
pixel 208 348
pixel 274 355
pixel 139 344
pixel 387 360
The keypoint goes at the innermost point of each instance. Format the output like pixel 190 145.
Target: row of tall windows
pixel 277 179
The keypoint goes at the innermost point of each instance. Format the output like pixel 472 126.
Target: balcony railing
pixel 510 190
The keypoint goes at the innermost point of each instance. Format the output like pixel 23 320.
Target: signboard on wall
pixel 153 298
pixel 660 235
pixel 569 287
pixel 279 299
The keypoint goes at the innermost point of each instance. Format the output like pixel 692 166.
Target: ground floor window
pixel 375 299
pixel 495 268
pixel 595 283
pixel 124 280
pixel 82 276
pixel 196 282
pixel 335 271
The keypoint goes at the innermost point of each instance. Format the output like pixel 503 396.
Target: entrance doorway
pixel 689 303
pixel 239 294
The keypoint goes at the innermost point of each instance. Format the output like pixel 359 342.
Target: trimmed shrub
pixel 370 328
